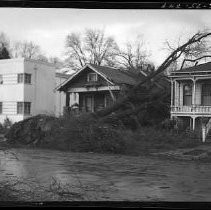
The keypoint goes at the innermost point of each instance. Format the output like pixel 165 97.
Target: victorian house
pixel 191 95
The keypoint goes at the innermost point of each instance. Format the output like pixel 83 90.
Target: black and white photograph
pixel 105 105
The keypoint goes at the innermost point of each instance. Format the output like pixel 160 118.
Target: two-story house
pixel 191 94
pixel 27 89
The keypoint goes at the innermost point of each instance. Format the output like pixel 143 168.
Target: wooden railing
pixel 191 109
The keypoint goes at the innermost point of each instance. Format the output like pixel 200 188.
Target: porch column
pixel 194 123
pixel 172 93
pixel 194 93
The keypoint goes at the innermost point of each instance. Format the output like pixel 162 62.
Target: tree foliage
pixel 4 46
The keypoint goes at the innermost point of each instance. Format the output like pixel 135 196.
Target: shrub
pixel 7 123
pixel 5 126
pixel 89 134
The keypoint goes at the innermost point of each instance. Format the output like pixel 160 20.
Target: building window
pixel 23 107
pixel 206 94
pixel 1 79
pixel 27 107
pixel 20 78
pixel 92 77
pixel 187 95
pixel 24 78
pixel 27 79
pixel 1 107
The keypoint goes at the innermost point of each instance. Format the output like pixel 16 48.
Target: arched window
pixel 187 95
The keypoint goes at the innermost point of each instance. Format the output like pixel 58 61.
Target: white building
pixel 60 97
pixel 27 88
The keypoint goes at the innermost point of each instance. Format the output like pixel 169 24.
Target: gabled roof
pixel 116 75
pixel 205 67
pixel 111 75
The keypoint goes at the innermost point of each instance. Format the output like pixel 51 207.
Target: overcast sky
pixel 49 27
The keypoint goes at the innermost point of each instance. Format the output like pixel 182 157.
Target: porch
pixel 91 101
pixel 191 96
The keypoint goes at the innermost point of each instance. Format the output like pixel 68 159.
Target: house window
pixel 1 107
pixel 23 107
pixel 1 79
pixel 206 94
pixel 187 95
pixel 24 78
pixel 92 77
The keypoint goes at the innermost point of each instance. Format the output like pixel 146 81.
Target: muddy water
pixel 110 177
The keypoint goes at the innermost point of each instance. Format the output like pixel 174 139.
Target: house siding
pixel 81 79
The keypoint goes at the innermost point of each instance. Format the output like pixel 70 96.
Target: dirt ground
pixel 47 175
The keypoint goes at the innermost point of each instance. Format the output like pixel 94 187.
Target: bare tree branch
pixel 194 60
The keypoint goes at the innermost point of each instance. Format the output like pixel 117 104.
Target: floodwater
pixel 99 177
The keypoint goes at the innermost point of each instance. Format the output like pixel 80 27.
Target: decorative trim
pixel 83 89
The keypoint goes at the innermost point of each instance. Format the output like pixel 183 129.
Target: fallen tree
pixel 148 82
pixel 107 130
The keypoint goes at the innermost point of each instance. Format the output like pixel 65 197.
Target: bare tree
pixel 134 57
pixel 93 47
pixel 196 39
pixel 193 53
pixel 26 49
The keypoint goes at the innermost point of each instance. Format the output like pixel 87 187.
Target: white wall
pixel 10 91
pixel 41 92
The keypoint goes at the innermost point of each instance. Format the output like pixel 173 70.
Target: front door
pixel 89 103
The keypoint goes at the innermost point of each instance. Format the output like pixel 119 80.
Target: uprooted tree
pixel 144 93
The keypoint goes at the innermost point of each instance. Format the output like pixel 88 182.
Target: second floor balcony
pixel 191 110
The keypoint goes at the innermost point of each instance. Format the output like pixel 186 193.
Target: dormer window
pixel 92 77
